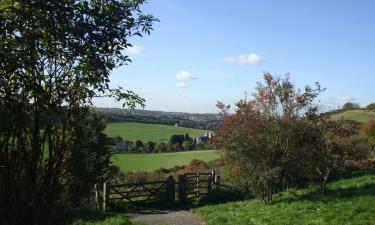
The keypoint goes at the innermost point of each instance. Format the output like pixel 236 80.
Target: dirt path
pixel 166 217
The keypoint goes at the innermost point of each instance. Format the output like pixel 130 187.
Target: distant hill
pixel 359 115
pixel 204 121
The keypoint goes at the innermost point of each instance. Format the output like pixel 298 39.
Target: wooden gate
pixel 189 186
pixel 194 185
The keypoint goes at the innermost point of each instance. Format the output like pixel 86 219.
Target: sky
pixel 203 51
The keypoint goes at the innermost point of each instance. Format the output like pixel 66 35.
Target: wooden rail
pixel 189 186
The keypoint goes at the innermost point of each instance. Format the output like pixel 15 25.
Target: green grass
pixel 82 217
pixel 349 202
pixel 356 115
pixel 150 162
pixel 149 132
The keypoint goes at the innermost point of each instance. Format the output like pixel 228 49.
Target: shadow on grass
pixel 224 195
pixel 331 195
pixel 216 196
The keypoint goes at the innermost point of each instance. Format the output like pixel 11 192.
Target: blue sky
pixel 202 51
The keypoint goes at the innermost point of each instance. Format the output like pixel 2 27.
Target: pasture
pixel 153 161
pixel 356 115
pixel 149 132
pixel 349 201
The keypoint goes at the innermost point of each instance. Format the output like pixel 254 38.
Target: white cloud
pixel 134 50
pixel 345 98
pixel 181 85
pixel 185 75
pixel 251 59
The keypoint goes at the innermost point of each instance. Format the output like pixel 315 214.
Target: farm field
pixel 356 115
pixel 149 132
pixel 349 202
pixel 153 161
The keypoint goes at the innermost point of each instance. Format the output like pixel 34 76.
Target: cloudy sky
pixel 204 51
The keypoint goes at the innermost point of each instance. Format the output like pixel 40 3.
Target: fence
pixel 189 186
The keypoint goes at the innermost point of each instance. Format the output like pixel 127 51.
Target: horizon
pixel 203 52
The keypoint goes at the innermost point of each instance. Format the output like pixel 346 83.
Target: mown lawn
pixel 149 132
pixel 349 202
pixel 150 161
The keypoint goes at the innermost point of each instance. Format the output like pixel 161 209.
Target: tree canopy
pixel 56 56
pixel 350 106
pixel 276 139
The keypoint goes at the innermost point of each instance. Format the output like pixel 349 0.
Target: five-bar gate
pixel 189 186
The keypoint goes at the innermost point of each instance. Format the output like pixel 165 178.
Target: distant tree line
pixel 348 106
pixel 211 124
pixel 177 142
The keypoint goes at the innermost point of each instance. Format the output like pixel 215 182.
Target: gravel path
pixel 165 217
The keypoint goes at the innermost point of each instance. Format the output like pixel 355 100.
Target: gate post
pixel 106 192
pixel 181 189
pixel 209 183
pixel 96 196
pixel 197 184
pixel 104 196
pixel 217 181
pixel 170 189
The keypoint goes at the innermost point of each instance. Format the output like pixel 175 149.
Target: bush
pixel 277 140
pixel 370 106
pixel 350 106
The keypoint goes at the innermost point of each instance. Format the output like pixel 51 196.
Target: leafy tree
pixel 139 144
pixel 371 106
pixel 162 147
pixel 329 158
pixel 186 145
pixel 259 139
pixel 150 146
pixel 177 139
pixel 188 138
pixel 56 56
pixel 89 160
pixel 350 106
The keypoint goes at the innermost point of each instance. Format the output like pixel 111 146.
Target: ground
pixel 170 217
pixel 348 202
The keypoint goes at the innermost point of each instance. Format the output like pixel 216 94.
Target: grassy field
pixel 356 115
pixel 149 132
pixel 150 162
pixel 349 202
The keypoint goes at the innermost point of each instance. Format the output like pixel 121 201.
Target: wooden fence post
pixel 170 189
pixel 197 185
pixel 106 191
pixel 181 189
pixel 217 180
pixel 213 175
pixel 209 184
pixel 96 195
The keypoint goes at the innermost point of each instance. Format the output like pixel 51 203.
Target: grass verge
pixel 97 218
pixel 348 202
